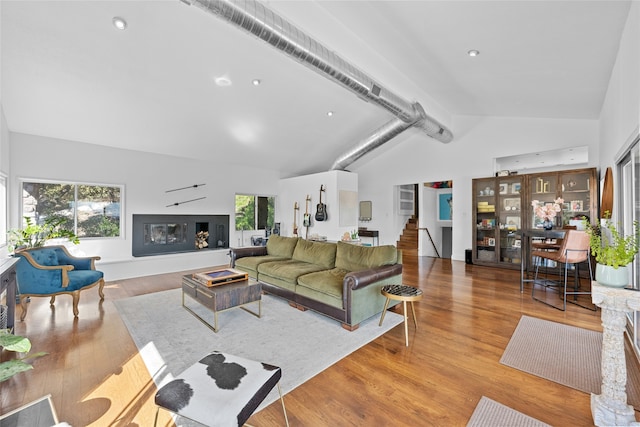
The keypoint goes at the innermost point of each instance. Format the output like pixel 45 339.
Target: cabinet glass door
pixel 576 192
pixel 509 207
pixel 543 191
pixel 486 220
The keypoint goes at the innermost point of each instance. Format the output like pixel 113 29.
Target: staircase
pixel 408 242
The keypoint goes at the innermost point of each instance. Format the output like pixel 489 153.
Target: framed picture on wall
pixel 445 206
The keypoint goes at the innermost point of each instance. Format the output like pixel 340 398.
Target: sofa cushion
pixel 44 256
pixel 285 271
pixel 325 286
pixel 281 246
pixel 249 264
pixel 320 253
pixel 355 258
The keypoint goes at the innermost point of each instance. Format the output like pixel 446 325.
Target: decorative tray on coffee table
pixel 219 277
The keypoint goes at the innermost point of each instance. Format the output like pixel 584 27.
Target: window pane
pixel 42 201
pixel 98 211
pixel 3 210
pixel 245 212
pixel 95 213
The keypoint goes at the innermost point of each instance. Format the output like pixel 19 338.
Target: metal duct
pixel 265 24
pixel 381 135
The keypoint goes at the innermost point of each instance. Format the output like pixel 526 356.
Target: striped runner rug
pixel 489 413
pixel 565 354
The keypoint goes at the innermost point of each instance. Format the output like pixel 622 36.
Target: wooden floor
pixel 465 319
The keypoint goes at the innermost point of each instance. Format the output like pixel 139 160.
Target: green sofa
pixel 340 280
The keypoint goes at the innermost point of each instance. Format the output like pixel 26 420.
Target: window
pixel 254 212
pixel 3 209
pixel 88 210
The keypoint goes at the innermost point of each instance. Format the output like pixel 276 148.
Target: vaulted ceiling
pixel 68 73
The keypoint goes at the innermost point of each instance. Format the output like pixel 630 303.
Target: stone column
pixel 609 408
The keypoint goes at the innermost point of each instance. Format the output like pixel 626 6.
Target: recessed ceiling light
pixel 119 23
pixel 223 80
pixel 329 113
pixel 473 52
pixel 256 82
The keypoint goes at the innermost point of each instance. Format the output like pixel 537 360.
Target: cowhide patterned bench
pixel 220 390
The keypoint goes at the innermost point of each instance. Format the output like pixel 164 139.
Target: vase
pixel 606 275
pixel 547 224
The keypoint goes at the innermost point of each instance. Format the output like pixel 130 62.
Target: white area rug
pixel 490 413
pixel 303 344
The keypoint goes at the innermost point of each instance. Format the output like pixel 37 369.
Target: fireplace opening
pixel 163 234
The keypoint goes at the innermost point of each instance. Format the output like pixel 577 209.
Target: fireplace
pixel 166 234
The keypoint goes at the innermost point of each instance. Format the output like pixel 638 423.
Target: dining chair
pixel 575 249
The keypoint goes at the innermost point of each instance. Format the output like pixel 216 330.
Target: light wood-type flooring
pixel 465 319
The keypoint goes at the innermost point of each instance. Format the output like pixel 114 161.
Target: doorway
pixel 436 223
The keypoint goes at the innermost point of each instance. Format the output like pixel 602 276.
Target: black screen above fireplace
pixel 166 234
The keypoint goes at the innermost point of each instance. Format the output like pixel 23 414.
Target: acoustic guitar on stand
pixel 295 214
pixel 321 208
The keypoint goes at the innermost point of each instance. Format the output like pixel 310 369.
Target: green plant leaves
pixel 34 235
pixel 18 344
pixel 609 246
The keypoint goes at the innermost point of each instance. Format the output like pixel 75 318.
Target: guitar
pixel 295 214
pixel 321 208
pixel 307 216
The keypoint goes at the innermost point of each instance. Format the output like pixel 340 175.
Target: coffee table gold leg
pixel 215 321
pixel 384 310
pixel 413 310
pixel 406 327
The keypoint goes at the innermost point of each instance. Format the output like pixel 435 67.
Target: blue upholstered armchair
pixel 51 271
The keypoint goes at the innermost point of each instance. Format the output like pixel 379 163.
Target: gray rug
pixel 489 413
pixel 564 354
pixel 303 344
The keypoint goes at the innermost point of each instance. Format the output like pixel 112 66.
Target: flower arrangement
pixel 547 211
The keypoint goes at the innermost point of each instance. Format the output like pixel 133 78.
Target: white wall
pixel 146 178
pixel 429 204
pixel 477 141
pixel 296 189
pixel 621 110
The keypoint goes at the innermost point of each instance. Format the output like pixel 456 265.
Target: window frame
pixel 22 181
pixel 256 221
pixel 4 212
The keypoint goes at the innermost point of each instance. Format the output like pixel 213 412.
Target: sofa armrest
pixel 236 253
pixel 359 279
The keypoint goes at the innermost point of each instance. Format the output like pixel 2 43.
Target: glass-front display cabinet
pixel 497 220
pixel 504 211
pixel 572 194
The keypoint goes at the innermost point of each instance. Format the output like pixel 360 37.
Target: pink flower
pixel 547 211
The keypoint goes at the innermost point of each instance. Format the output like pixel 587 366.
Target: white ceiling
pixel 68 73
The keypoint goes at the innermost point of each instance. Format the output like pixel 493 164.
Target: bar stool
pixel 220 390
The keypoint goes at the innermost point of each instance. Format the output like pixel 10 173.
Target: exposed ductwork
pixel 381 135
pixel 265 24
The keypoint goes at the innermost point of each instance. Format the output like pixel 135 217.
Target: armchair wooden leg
pixel 100 288
pixel 52 300
pixel 23 304
pixel 76 300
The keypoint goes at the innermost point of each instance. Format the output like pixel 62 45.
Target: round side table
pixel 405 294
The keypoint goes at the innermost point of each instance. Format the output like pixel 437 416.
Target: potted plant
pixel 18 344
pixel 613 251
pixel 35 235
